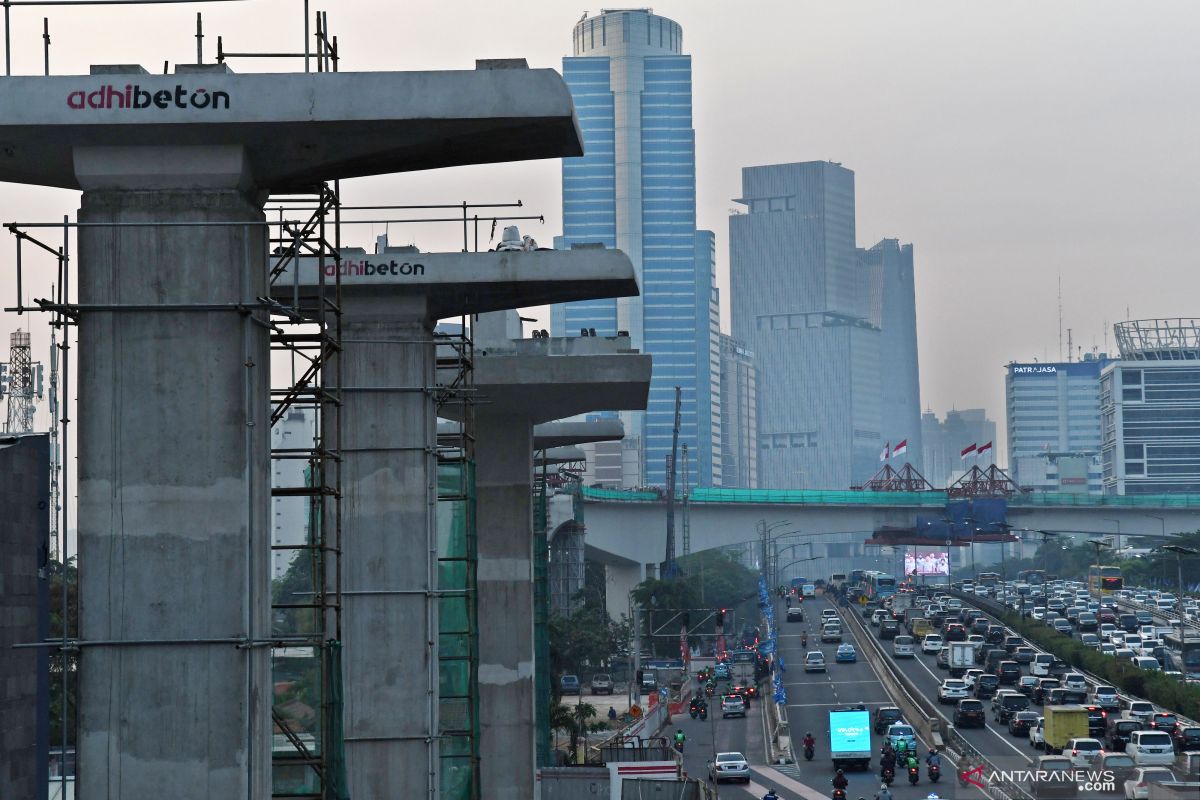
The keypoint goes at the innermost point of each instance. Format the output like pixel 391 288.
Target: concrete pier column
pixel 504 503
pixel 174 491
pixel 389 544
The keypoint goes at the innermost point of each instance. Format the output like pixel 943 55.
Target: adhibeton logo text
pixel 133 96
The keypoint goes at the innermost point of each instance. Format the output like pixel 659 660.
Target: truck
pixel 1064 723
pixel 901 603
pixel 850 737
pixel 741 667
pixel 962 658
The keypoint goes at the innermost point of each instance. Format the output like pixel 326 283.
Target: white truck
pixel 962 658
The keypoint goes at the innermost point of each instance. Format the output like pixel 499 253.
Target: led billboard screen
pixel 931 562
pixel 849 731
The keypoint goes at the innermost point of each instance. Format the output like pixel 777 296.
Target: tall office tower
pixel 1150 408
pixel 739 416
pixel 800 304
pixel 942 443
pixel 1053 425
pixel 635 189
pixel 887 269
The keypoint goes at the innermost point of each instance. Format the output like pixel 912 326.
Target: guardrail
pixel 1157 613
pixel 929 720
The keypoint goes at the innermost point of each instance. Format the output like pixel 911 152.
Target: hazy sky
pixel 1010 141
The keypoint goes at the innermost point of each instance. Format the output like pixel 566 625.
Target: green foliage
pixel 1153 686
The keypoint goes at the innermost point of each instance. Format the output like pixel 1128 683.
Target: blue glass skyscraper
pixel 635 189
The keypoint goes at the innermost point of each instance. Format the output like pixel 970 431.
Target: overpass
pixel 626 530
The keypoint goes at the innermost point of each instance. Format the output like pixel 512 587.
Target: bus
pixel 880 585
pixel 1034 577
pixel 1185 652
pixel 988 580
pixel 1103 580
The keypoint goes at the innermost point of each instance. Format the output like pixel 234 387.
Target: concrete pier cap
pixel 296 129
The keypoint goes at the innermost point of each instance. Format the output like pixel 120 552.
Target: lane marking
pixel 777 780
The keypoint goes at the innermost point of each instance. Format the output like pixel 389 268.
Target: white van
pixel 1040 666
pixel 904 647
pixel 808 590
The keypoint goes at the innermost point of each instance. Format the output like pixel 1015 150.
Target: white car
pixel 733 705
pixel 1141 710
pixel 1037 734
pixel 1148 663
pixel 829 615
pixel 932 643
pixel 1137 786
pixel 1106 697
pixel 970 676
pixel 814 661
pixel 1083 752
pixel 952 690
pixel 1075 682
pixel 904 647
pixel 1151 749
pixel 729 767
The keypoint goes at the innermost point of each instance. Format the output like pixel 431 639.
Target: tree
pixel 576 720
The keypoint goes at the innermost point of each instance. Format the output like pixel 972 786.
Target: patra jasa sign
pixel 133 96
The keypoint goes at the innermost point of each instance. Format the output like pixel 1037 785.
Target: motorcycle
pixel 808 752
pixel 694 712
pixel 678 746
pixel 963 771
pixel 914 775
pixel 888 775
pixel 839 794
pixel 935 772
pixel 703 713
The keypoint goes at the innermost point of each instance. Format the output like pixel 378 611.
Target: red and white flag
pixel 886 452
pixel 983 448
pixel 901 449
pixel 968 451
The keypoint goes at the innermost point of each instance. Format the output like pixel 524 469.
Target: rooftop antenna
pixel 1070 346
pixel 1060 350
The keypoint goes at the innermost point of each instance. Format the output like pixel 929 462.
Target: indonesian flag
pixel 968 451
pixel 983 448
pixel 886 452
pixel 901 449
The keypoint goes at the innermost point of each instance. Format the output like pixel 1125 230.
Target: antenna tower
pixel 20 384
pixel 1060 342
pixel 55 489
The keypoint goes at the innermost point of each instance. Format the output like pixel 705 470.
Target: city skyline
pixel 949 167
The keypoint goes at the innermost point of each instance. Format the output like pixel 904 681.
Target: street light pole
pixel 1179 552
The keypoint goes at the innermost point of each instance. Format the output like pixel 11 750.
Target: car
pixel 1141 710
pixel 814 661
pixel 569 684
pixel 951 690
pixel 1083 752
pixel 1075 682
pixel 1163 721
pixel 889 629
pixel 970 676
pixel 1097 720
pixel 733 705
pixel 846 654
pixel 1107 649
pixel 795 614
pixel 1044 687
pixel 1020 723
pixel 602 683
pixel 904 647
pixel 1008 672
pixel 942 659
pixel 1137 785
pixel 729 767
pixel 878 616
pixel 828 615
pixel 1041 665
pixel 1011 643
pixel 1062 626
pixel 1151 748
pixel 1147 663
pixel 1007 703
pixel 1087 621
pixel 885 717
pixel 1027 685
pixel 1187 738
pixel 954 632
pixel 831 633
pixel 1037 734
pixel 1120 765
pixel 1092 640
pixel 1144 617
pixel 1024 655
pixel 1119 730
pixel 721 671
pixel 970 713
pixel 1056 778
pixel 902 732
pixel 986 686
pixel 932 643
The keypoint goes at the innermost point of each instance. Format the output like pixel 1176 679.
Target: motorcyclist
pixel 808 741
pixel 679 739
pixel 911 762
pixel 804 639
pixel 887 761
pixel 933 759
pixel 884 792
pixel 770 795
pixel 840 781
pixel 901 747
